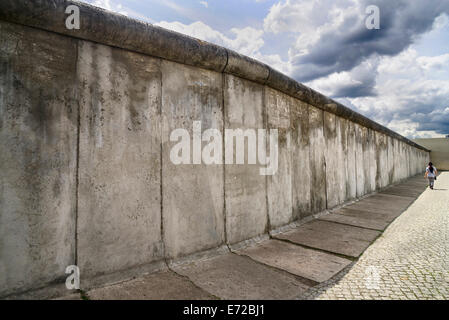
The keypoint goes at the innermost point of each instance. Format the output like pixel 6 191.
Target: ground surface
pixel 409 261
pixel 326 258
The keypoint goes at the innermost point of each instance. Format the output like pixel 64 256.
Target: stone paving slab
pixel 410 261
pixel 164 285
pixel 363 220
pixel 376 209
pixel 385 213
pixel 382 204
pixel 307 263
pixel 404 190
pixel 231 276
pixel 333 237
pixel 389 198
pixel 392 198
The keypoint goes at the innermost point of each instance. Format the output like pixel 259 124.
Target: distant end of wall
pixel 439 151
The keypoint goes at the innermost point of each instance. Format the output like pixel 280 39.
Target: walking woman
pixel 431 174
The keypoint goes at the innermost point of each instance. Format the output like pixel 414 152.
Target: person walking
pixel 431 174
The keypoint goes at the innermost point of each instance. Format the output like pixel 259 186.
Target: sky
pixel 397 75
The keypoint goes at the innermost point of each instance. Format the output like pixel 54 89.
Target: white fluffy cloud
pixel 110 5
pixel 247 40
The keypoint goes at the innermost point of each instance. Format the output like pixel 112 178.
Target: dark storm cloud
pixel 437 120
pixel 401 21
pixel 431 115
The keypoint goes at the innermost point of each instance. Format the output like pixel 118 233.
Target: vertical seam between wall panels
pixel 161 124
pixel 310 163
pixel 226 64
pixel 325 160
pixel 355 158
pixel 310 171
pixel 291 153
pixel 78 131
pixel 223 79
pixel 369 160
pixel 265 120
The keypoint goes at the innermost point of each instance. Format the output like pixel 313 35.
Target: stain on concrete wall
pixel 193 198
pixel 317 161
pixel 372 150
pixel 119 201
pixel 381 160
pixel 38 142
pixel 245 188
pixel 359 160
pixel 351 165
pixel 279 186
pixel 301 172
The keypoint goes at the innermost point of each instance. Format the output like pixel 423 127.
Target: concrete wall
pixel 85 123
pixel 439 151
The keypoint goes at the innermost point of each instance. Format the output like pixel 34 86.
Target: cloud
pixel 109 5
pixel 412 94
pixel 247 41
pixel 205 4
pixel 333 36
pixel 359 81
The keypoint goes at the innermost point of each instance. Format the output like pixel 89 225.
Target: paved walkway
pixel 409 261
pixel 326 258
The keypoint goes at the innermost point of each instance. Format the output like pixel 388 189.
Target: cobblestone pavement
pixel 410 260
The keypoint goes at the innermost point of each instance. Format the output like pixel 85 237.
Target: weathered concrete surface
pixel 388 197
pixel 404 190
pixel 245 188
pixel 301 175
pixel 245 67
pixel 351 165
pixel 119 201
pixel 231 276
pixel 381 160
pixel 372 149
pixel 358 218
pixel 193 195
pixel 333 237
pixel 359 161
pixel 439 151
pixel 366 162
pixel 307 263
pixel 113 201
pixel 350 170
pixel 38 141
pixel 206 273
pixel 335 162
pixel 279 185
pixel 386 208
pixel 410 259
pixel 164 285
pixel 390 160
pixel 317 161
